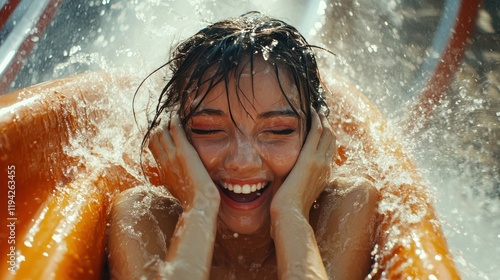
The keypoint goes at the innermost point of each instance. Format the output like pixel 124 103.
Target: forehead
pixel 256 89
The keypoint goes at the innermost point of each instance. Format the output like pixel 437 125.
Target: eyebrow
pixel 264 115
pixel 209 112
pixel 279 113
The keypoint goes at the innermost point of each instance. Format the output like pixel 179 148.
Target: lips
pixel 243 195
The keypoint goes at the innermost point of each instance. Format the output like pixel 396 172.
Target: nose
pixel 243 155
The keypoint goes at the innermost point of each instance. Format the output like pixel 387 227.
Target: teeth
pixel 245 189
pixel 237 189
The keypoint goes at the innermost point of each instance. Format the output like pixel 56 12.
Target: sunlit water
pixel 137 35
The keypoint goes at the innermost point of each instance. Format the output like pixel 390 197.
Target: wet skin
pixel 252 140
pixel 241 145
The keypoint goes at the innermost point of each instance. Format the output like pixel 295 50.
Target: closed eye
pixel 205 131
pixel 282 131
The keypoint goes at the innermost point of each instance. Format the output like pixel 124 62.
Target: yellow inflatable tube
pixel 55 202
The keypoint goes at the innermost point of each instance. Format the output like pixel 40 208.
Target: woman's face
pixel 248 155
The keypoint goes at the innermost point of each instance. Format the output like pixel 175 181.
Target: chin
pixel 245 223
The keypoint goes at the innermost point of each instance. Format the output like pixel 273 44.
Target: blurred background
pixel 435 63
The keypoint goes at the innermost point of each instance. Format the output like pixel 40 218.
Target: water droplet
pixel 265 54
pixel 274 43
pixel 255 265
pixel 315 205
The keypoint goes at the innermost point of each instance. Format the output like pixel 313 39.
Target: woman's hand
pixel 181 168
pixel 311 172
pixel 297 251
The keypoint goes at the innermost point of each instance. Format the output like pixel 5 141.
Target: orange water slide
pixel 59 214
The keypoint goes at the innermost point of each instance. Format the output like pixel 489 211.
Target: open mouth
pixel 244 193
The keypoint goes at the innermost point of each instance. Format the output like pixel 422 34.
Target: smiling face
pixel 248 141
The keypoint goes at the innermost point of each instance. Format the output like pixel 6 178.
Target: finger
pixel 164 137
pixel 179 135
pixel 327 142
pixel 154 143
pixel 315 132
pixel 160 145
pixel 157 150
pixel 331 155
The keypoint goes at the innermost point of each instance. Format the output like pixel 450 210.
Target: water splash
pixel 456 147
pixel 380 61
pixel 267 50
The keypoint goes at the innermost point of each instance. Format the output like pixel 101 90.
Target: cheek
pixel 281 158
pixel 210 153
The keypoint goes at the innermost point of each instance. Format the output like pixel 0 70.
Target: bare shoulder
pixel 345 221
pixel 356 191
pixel 147 207
pixel 343 200
pixel 142 222
pixel 140 200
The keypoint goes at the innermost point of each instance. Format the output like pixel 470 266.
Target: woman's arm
pixel 142 240
pixel 297 253
pixel 344 227
pixel 142 227
pixel 340 240
pixel 296 248
pixel 190 253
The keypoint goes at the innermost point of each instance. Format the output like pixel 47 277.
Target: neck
pixel 242 250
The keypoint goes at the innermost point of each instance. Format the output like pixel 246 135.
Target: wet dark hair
pixel 222 50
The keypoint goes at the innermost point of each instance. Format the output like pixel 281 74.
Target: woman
pixel 243 145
